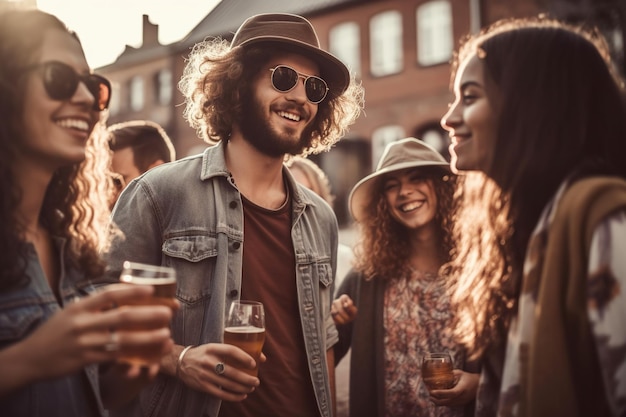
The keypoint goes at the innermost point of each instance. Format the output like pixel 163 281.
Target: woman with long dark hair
pixel 54 210
pixel 538 126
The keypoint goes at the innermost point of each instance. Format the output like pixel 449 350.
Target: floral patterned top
pixel 416 320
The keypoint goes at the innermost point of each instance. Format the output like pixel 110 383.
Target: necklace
pixel 287 196
pixel 418 272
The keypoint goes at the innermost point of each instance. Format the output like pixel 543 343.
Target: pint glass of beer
pixel 163 279
pixel 245 328
pixel 437 371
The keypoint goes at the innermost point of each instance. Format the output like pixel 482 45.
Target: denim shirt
pixel 188 214
pixel 22 311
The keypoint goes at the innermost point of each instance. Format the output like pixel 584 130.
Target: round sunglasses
pixel 285 79
pixel 61 81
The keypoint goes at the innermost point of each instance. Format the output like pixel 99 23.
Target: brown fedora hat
pixel 297 34
pixel 402 154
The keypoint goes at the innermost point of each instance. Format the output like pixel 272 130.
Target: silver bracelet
pixel 180 359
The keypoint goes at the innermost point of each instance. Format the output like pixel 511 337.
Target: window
pixel 436 137
pixel 386 43
pixel 163 87
pixel 383 136
pixel 136 93
pixel 345 44
pixel 434 32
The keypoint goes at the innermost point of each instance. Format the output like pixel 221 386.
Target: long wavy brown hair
pixel 216 77
pixel 75 206
pixel 383 249
pixel 531 65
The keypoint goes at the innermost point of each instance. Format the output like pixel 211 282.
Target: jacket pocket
pixel 193 257
pixel 16 322
pixel 324 274
pixel 191 248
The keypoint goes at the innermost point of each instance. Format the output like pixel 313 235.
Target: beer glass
pixel 437 370
pixel 245 328
pixel 163 279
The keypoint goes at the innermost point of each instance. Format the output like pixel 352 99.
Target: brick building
pixel 398 49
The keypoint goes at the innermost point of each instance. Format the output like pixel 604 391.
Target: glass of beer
pixel 163 279
pixel 245 328
pixel 437 370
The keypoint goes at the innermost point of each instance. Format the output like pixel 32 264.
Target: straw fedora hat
pixel 402 154
pixel 297 34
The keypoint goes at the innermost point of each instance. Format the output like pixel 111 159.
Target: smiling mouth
pixel 77 124
pixel 289 116
pixel 405 208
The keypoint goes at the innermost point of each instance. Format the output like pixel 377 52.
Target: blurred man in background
pixel 137 146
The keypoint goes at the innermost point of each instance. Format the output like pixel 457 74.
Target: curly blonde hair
pixel 216 77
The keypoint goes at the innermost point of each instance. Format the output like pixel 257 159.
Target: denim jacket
pixel 22 311
pixel 188 214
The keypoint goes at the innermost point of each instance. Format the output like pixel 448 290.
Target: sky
pixel 105 27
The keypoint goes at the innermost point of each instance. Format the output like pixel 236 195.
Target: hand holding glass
pixel 437 371
pixel 245 328
pixel 163 279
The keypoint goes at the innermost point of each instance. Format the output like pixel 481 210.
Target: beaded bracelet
pixel 180 359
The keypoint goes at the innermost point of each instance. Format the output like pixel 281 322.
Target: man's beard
pixel 257 131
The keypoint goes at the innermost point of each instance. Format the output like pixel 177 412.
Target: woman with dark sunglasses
pixel 54 210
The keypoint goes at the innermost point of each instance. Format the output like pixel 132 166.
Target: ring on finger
pixel 113 345
pixel 220 368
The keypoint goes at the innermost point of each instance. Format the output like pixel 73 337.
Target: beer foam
pixel 131 279
pixel 244 329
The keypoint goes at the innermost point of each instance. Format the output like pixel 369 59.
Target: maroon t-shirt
pixel 269 276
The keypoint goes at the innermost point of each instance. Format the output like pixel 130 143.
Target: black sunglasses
pixel 61 81
pixel 285 79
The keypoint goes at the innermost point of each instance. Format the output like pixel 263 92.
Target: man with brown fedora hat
pixel 235 225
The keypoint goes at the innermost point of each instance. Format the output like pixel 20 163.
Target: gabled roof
pixel 228 15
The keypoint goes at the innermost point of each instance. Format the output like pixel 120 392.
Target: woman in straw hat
pixel 403 211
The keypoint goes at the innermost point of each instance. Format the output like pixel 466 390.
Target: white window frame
pixel 164 86
pixel 383 136
pixel 136 90
pixel 434 33
pixel 386 51
pixel 435 138
pixel 345 43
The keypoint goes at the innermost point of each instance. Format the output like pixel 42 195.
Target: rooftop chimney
pixel 150 32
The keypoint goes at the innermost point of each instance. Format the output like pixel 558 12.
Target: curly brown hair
pixel 216 77
pixel 75 206
pixel 481 270
pixel 382 251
